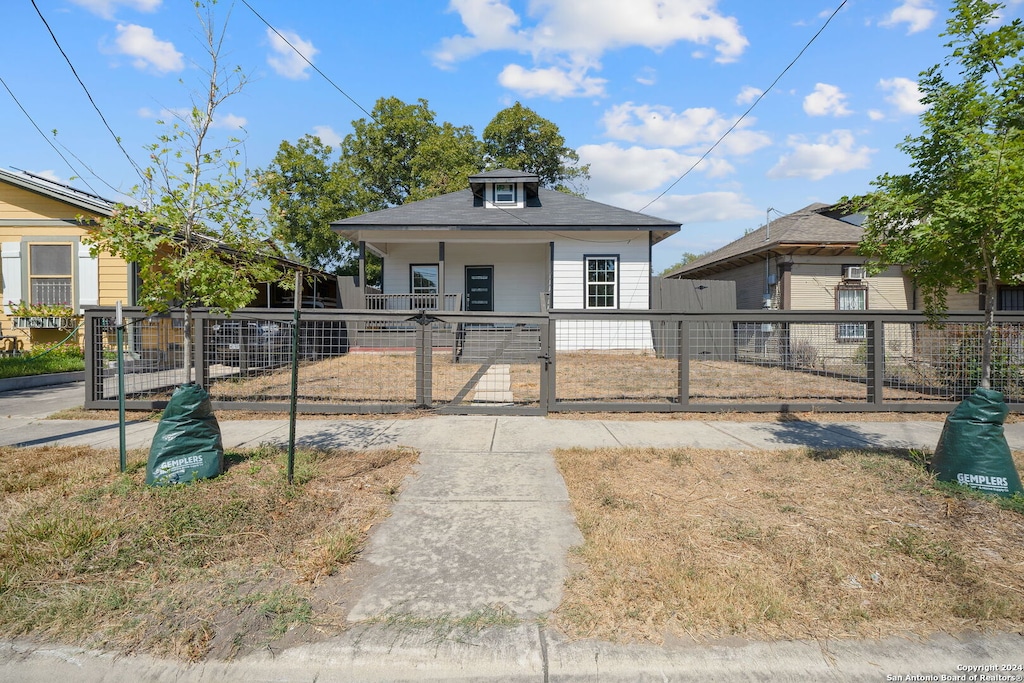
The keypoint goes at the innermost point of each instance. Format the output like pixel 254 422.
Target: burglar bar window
pixel 851 299
pixel 49 274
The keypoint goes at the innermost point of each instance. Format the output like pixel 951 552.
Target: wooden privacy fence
pixel 374 361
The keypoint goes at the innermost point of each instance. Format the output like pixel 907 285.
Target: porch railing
pixel 412 302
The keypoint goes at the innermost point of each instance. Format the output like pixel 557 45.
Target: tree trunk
pixel 187 346
pixel 987 334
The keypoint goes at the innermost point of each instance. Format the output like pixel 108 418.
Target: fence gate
pixel 487 366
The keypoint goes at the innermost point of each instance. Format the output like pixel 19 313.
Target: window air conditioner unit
pixel 854 273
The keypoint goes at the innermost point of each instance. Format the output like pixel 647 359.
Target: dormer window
pixel 504 193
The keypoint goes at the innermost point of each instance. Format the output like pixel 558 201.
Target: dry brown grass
pixel 604 376
pixel 93 557
pixel 389 379
pixel 703 544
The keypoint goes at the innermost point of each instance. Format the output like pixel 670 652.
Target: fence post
pixel 875 361
pixel 199 349
pixel 424 358
pixel 683 348
pixel 93 359
pixel 551 365
pixel 547 360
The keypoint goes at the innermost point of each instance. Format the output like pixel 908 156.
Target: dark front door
pixel 479 288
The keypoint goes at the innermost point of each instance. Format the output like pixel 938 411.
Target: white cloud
pixel 579 32
pixel 284 60
pixel 327 135
pixel 903 94
pixel 50 174
pixel 826 100
pixel 833 153
pixel 875 115
pixel 707 207
pixel 229 121
pixel 149 51
pixel 647 76
pixel 106 8
pixel 615 170
pixel 916 14
pixel 748 94
pixel 590 27
pixel 699 126
pixel 552 82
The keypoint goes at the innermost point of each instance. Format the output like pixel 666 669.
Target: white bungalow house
pixel 506 244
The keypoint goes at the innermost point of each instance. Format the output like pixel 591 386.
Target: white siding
pixel 520 270
pixel 634 269
pixel 633 293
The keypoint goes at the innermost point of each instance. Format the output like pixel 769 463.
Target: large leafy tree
pixel 191 228
pixel 307 190
pixel 399 154
pixel 956 219
pixel 519 138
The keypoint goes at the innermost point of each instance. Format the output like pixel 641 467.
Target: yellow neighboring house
pixel 48 272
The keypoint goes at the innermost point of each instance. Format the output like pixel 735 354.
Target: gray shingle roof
pixel 59 191
pixel 504 174
pixel 456 211
pixel 816 224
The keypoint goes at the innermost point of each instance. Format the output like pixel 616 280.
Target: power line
pixel 117 140
pixel 305 59
pixel 749 109
pixel 45 137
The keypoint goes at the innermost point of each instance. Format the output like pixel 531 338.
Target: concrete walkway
pixel 484 523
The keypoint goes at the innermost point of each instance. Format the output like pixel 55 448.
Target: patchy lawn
pixel 700 544
pixel 219 567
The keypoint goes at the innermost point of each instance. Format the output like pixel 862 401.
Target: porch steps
pixel 495 386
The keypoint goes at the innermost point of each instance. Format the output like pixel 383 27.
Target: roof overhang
pixel 59 191
pixel 759 255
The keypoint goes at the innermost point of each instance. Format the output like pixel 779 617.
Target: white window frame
pixel 70 275
pixel 593 285
pixel 424 297
pixel 851 332
pixel 505 197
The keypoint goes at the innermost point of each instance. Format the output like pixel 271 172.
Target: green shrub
pixel 959 363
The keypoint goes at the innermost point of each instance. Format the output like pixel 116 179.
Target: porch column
pixel 440 276
pixel 549 296
pixel 362 267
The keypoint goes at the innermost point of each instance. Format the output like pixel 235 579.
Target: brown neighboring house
pixel 806 260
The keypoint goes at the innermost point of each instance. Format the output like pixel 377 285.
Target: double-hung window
pixel 423 285
pixel 851 298
pixel 602 281
pixel 504 193
pixel 50 273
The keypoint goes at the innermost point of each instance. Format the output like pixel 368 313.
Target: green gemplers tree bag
pixel 187 445
pixel 972 449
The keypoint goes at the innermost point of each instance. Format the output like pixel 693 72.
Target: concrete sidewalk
pixel 479 434
pixel 483 523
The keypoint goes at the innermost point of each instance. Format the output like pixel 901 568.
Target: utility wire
pixel 45 136
pixel 305 59
pixel 117 140
pixel 749 109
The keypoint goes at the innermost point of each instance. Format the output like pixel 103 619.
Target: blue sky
pixel 640 88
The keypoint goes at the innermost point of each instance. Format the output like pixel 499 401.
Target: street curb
pixel 32 381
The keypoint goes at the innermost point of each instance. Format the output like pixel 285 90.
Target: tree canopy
pixel 401 153
pixel 956 219
pixel 191 229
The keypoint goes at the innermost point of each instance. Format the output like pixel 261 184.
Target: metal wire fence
pixel 390 361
